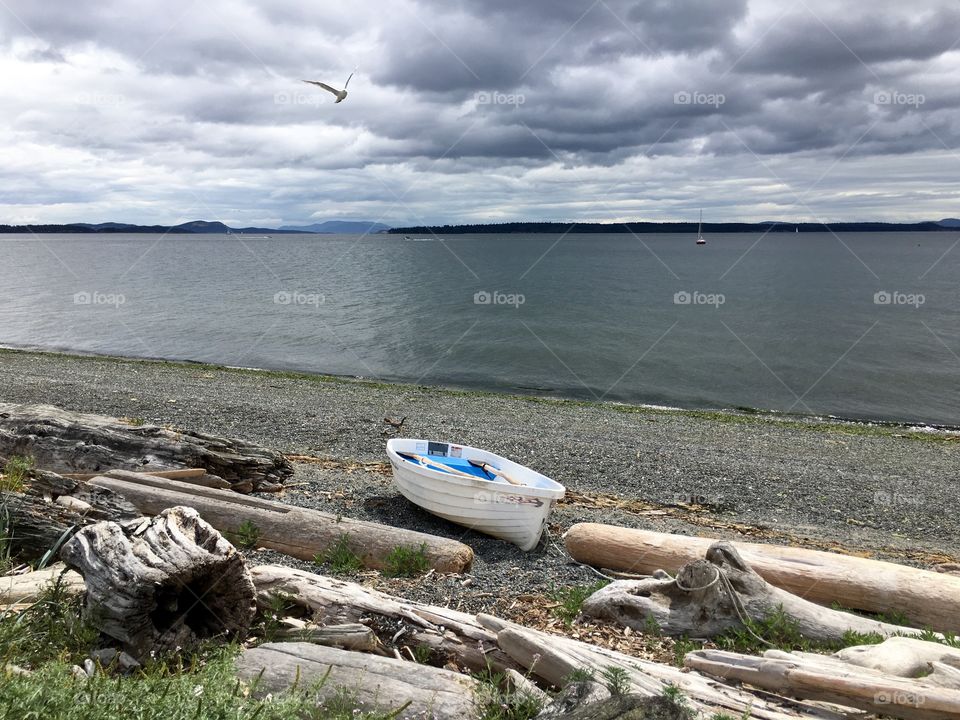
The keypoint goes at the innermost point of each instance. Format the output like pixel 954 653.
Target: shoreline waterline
pixel 740 412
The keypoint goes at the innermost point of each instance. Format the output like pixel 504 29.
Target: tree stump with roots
pixel 162 583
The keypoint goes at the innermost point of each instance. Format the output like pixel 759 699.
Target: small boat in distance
pixel 474 488
pixel 700 238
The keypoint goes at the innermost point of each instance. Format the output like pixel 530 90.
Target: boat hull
pixel 517 514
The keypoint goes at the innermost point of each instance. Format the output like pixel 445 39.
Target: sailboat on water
pixel 700 238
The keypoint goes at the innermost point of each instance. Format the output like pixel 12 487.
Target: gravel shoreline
pixel 887 491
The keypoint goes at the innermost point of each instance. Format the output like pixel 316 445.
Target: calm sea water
pixel 860 325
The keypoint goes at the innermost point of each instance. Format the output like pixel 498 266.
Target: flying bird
pixel 341 94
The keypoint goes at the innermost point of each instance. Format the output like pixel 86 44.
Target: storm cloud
pixel 474 110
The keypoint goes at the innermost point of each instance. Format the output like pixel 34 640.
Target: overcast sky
pixel 478 110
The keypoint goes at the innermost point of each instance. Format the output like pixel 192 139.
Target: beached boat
pixel 474 488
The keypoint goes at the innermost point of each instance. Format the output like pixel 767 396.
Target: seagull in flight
pixel 341 94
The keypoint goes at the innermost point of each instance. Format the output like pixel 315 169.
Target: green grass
pixel 616 679
pixel 781 631
pixel 245 536
pixel 406 561
pixel 279 607
pixel 50 630
pixel 15 473
pixel 571 600
pixel 495 703
pixel 683 645
pixel 200 689
pixel 340 558
pixel 50 636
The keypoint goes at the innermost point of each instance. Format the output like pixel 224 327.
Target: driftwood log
pixel 51 507
pixel 71 442
pixel 299 532
pixel 710 596
pixel 828 679
pixel 450 636
pixel 376 684
pixel 28 586
pixel 927 599
pixel 162 583
pixel 476 642
pixel 910 658
pixel 350 636
pixel 592 701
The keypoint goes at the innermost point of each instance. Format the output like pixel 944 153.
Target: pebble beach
pixel 877 490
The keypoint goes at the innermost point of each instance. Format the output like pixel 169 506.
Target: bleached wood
pixel 927 598
pixel 162 583
pixel 719 593
pixel 376 683
pixel 66 441
pixel 26 587
pixel 906 657
pixel 475 640
pixel 838 682
pixel 298 532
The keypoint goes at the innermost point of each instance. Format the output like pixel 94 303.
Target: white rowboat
pixel 504 499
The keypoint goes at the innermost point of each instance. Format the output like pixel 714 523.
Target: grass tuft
pixel 406 561
pixel 247 535
pixel 571 600
pixel 15 473
pixel 339 557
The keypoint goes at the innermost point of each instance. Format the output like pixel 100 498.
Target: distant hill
pixel 344 227
pixel 950 223
pixel 194 227
pixel 669 227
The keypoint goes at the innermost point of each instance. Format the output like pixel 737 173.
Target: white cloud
pixel 142 116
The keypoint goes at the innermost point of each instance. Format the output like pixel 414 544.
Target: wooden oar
pixel 423 460
pixel 494 471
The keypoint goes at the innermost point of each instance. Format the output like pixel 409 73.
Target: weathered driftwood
pixel 927 598
pixel 476 642
pixel 51 507
pixel 162 583
pixel 553 658
pixel 450 636
pixel 374 683
pixel 65 441
pixel 592 701
pixel 938 664
pixel 183 474
pixel 298 532
pixel 721 592
pixel 831 680
pixel 27 587
pixel 350 636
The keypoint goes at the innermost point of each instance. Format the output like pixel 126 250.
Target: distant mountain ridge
pixel 340 226
pixel 199 227
pixel 676 227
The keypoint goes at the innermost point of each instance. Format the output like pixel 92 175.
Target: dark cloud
pixel 512 99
